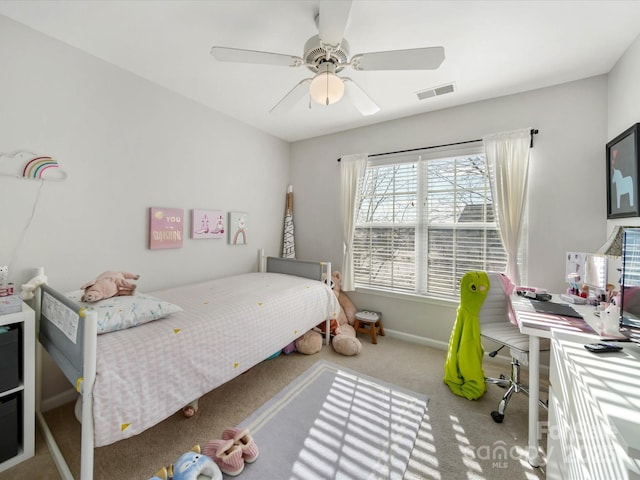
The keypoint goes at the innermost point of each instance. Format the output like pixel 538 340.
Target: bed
pixel 225 327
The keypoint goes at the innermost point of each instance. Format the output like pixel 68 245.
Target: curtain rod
pixel 534 131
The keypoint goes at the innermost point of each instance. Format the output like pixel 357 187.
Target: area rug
pixel 335 423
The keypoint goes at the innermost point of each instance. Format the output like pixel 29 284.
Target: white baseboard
pixel 430 342
pixel 58 400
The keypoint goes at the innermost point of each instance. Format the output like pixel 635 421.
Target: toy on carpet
pixel 109 284
pixel 463 371
pixel 344 341
pixel 162 474
pixel 29 288
pixel 289 348
pixel 309 343
pixel 192 465
pixel 190 409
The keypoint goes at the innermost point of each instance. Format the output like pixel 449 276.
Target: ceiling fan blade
pixel 428 58
pixel 359 98
pixel 225 54
pixel 332 20
pixel 290 99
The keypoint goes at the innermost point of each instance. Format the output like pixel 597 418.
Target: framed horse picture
pixel 622 174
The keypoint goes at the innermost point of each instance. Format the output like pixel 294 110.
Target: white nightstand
pixel 18 400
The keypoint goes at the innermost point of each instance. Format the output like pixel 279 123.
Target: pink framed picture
pixel 166 227
pixel 207 223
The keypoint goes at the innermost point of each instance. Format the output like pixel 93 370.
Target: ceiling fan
pixel 327 54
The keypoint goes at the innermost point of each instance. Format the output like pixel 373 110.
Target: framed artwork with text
pixel 166 228
pixel 622 174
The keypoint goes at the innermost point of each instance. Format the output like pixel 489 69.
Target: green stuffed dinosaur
pixel 463 367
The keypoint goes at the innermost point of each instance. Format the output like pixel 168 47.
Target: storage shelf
pixel 6 393
pixel 25 390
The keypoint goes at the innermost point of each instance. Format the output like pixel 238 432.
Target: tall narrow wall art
pixel 238 228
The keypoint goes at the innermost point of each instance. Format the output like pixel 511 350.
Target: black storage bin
pixel 9 427
pixel 9 360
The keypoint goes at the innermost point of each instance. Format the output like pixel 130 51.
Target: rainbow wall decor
pixel 35 168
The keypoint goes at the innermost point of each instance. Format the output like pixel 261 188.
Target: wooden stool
pixel 369 322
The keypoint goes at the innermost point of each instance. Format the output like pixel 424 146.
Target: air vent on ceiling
pixel 436 91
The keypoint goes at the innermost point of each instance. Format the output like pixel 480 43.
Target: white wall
pixel 624 103
pixel 567 185
pixel 127 145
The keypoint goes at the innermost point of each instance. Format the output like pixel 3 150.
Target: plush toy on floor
pixel 345 341
pixel 109 284
pixel 309 343
pixel 190 466
pixel 463 366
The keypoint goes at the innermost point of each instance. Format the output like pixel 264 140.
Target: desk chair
pixel 495 325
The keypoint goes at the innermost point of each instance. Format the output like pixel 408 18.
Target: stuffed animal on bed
pixel 109 284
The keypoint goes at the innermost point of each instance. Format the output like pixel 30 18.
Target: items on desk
pixel 573 279
pixel 553 308
pixel 535 295
pixel 533 292
pixel 602 347
pixel 569 298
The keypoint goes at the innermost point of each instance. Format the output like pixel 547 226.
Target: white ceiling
pixel 492 48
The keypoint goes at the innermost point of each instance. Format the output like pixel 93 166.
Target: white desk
pixel 541 325
pixel 594 412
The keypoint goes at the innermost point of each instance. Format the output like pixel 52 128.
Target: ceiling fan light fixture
pixel 326 87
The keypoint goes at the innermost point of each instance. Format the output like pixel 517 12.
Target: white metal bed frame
pixel 80 369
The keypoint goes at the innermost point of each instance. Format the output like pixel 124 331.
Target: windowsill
pixel 409 297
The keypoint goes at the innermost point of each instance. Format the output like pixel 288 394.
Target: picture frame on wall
pixel 207 223
pixel 166 227
pixel 238 228
pixel 622 174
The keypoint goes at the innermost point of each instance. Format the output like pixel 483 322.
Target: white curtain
pixel 508 160
pixel 352 169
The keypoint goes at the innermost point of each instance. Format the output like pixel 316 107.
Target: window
pixel 424 221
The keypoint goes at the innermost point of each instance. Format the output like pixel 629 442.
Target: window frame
pixel 421 236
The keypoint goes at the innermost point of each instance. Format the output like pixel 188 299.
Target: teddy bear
pixel 309 343
pixel 109 284
pixel 344 341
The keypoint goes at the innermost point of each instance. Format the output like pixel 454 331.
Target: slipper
pixel 241 437
pixel 226 454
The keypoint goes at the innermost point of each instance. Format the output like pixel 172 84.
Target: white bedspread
pixel 147 373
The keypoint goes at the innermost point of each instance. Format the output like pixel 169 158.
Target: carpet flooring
pixel 335 423
pixel 457 438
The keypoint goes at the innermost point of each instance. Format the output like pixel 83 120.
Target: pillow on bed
pixel 118 313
